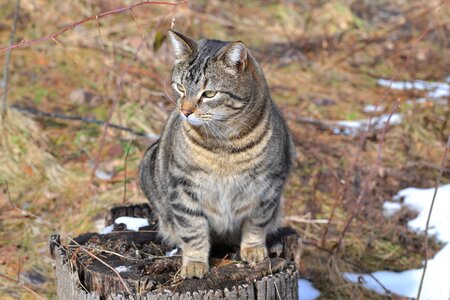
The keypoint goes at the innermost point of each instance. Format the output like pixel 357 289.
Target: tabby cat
pixel 218 170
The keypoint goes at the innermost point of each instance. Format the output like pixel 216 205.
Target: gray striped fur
pixel 218 170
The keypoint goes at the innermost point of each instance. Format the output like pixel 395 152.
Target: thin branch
pixel 51 225
pixel 8 58
pixel 438 180
pixel 99 32
pixel 369 178
pixel 117 91
pixel 53 115
pixel 24 43
pixel 21 285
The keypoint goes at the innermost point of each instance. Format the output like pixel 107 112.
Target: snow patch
pixel 171 252
pixel 132 223
pixel 107 229
pixel 103 175
pixel 306 290
pixel 391 208
pixel 437 278
pixel 370 108
pixel 121 269
pixel 435 90
pixel 358 126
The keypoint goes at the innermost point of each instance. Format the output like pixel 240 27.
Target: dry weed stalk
pixel 23 158
pixel 21 285
pixel 66 235
pixel 8 59
pixel 52 36
pixel 438 181
pixel 125 169
pixel 369 178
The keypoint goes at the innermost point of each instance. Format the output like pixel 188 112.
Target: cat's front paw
pixel 254 255
pixel 194 269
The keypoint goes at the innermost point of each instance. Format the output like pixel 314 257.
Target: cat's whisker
pixel 168 96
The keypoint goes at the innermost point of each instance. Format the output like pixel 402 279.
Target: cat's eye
pixel 209 94
pixel 180 88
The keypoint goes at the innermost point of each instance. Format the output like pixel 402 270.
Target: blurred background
pixel 337 69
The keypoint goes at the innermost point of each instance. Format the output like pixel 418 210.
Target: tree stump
pixel 96 266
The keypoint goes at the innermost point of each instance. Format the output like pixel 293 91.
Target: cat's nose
pixel 187 112
pixel 187 108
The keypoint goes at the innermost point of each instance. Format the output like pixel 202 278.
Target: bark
pixel 140 260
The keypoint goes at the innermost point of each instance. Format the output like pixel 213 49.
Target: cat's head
pixel 214 81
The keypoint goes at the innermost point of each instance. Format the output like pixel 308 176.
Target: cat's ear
pixel 182 45
pixel 235 55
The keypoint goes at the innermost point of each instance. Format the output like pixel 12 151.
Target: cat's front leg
pixel 263 219
pixel 195 251
pixel 253 243
pixel 192 229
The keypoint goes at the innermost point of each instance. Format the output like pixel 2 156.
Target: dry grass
pixel 321 60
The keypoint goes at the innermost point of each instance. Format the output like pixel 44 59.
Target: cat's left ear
pixel 235 55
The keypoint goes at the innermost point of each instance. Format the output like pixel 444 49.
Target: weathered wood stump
pixel 96 266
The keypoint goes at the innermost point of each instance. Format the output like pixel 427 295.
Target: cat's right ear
pixel 183 46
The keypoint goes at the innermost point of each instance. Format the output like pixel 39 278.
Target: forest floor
pixel 322 60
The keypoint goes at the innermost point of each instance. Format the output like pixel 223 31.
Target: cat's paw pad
pixel 193 269
pixel 254 255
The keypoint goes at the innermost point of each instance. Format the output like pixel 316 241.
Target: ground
pixel 322 60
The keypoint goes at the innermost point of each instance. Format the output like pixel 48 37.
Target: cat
pixel 218 170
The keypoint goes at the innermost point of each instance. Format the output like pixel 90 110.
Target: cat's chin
pixel 192 120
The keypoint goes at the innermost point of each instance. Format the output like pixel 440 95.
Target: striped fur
pixel 218 170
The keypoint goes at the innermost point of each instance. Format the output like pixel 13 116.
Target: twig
pixel 438 180
pixel 21 285
pixel 369 178
pixel 363 140
pixel 99 33
pixel 18 270
pixel 53 115
pixel 8 58
pixel 50 224
pixel 117 90
pixel 298 219
pixel 24 43
pixel 125 169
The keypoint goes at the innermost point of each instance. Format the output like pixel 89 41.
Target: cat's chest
pixel 226 201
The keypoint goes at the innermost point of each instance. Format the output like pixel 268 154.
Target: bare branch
pixel 8 58
pixel 438 180
pixel 53 115
pixel 24 43
pixel 21 285
pixel 51 225
pixel 369 178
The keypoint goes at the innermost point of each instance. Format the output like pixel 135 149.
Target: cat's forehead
pixel 210 47
pixel 193 71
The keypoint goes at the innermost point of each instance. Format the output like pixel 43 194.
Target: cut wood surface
pixel 142 261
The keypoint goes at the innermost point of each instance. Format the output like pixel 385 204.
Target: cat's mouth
pixel 192 119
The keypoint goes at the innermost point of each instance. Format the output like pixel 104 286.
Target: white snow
pixel 172 252
pixel 121 269
pixel 103 175
pixel 358 126
pixel 391 208
pixel 435 89
pixel 306 290
pixel 132 223
pixel 370 108
pixel 107 229
pixel 436 285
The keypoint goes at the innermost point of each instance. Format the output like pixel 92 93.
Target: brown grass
pixel 321 60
